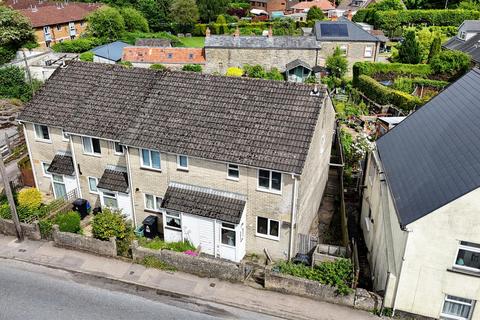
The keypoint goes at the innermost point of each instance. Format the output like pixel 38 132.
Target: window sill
pixel 269 191
pixel 267 237
pixel 464 272
pixel 228 246
pixel 151 169
pixel 173 229
pixel 93 155
pixel 43 141
pixel 234 179
pixel 119 154
pixel 152 211
pixel 93 192
pixel 182 169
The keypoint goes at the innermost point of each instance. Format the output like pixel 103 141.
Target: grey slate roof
pixel 258 123
pixel 470 47
pixel 213 204
pixel 261 42
pixel 296 63
pixel 431 158
pixel 114 180
pixel 153 43
pixel 112 51
pixel 62 164
pixel 354 32
pixel 471 25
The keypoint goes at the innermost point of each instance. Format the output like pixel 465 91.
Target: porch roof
pixel 62 164
pixel 209 203
pixel 114 179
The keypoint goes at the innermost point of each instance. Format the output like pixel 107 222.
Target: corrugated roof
pixel 253 122
pixel 470 47
pixel 274 42
pixel 354 32
pixel 209 203
pixel 431 158
pixel 111 51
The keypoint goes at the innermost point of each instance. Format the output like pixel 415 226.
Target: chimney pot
pixel 207 32
pixel 270 31
pixel 236 34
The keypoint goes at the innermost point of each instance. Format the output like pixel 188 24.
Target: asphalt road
pixel 34 292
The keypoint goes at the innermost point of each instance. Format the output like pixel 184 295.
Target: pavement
pixel 108 271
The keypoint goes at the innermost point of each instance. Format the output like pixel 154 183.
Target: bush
pixel 126 64
pixel 338 273
pixel 274 74
pixel 87 56
pixel 7 54
pixel 13 85
pixel 30 198
pixel 107 224
pixel 157 66
pixel 450 63
pixel 77 46
pixel 192 67
pixel 234 72
pixel 107 23
pixel 409 51
pixel 68 222
pixel 383 95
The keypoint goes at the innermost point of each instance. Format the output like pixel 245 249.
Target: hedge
pixel 394 69
pixel 384 95
pixel 408 84
pixel 78 45
pixel 393 19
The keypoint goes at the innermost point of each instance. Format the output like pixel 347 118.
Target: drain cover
pixel 212 285
pixel 22 250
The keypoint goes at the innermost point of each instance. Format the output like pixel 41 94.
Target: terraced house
pixel 234 165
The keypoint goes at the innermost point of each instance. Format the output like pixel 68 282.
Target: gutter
pixel 294 215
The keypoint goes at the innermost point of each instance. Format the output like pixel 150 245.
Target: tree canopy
pixel 409 51
pixel 435 48
pixel 337 64
pixel 106 23
pixel 210 9
pixel 315 13
pixel 184 14
pixel 157 13
pixel 15 31
pixel 134 20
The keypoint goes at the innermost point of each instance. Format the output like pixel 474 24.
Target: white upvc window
pixel 457 308
pixel 268 228
pixel 91 146
pixel 344 49
pixel 173 221
pixel 269 180
pixel 152 202
pixel 42 132
pixel 118 148
pixel 233 172
pixel 110 200
pixel 182 162
pixel 468 256
pixel 150 159
pixel 228 234
pixel 45 166
pixel 92 184
pixel 462 35
pixel 368 51
pixel 46 30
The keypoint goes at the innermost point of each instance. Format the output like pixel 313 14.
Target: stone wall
pixel 30 231
pixel 360 299
pixel 201 266
pixel 84 243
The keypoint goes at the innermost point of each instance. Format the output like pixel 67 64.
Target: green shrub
pixel 157 244
pixel 450 63
pixel 192 67
pixel 255 71
pixel 392 70
pixel 274 74
pixel 408 84
pixel 153 262
pixel 46 227
pixel 157 66
pixel 5 212
pixel 68 222
pixel 134 20
pixel 13 85
pixel 107 224
pixel 383 95
pixel 77 45
pixel 87 56
pixel 7 54
pixel 338 273
pixel 126 64
pixel 30 198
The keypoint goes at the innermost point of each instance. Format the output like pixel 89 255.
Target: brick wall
pixel 171 56
pixel 59 35
pixel 84 243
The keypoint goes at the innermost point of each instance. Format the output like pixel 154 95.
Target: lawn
pixel 193 42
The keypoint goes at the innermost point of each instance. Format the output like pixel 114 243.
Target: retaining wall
pixel 359 299
pixel 30 231
pixel 201 266
pixel 84 243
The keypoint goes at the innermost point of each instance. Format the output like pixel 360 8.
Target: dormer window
pixel 462 35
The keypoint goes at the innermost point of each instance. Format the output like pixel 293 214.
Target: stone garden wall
pixel 30 231
pixel 84 243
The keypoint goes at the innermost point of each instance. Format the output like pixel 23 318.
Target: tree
pixel 435 48
pixel 315 13
pixel 222 24
pixel 15 31
pixel 409 51
pixel 13 85
pixel 184 14
pixel 107 23
pixel 134 20
pixel 157 13
pixel 337 64
pixel 388 5
pixel 210 9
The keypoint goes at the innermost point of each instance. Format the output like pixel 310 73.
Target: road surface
pixel 34 292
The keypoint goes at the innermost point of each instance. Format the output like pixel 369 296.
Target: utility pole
pixel 11 202
pixel 29 75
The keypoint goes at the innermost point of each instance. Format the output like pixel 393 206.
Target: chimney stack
pixel 349 15
pixel 236 34
pixel 270 31
pixel 207 32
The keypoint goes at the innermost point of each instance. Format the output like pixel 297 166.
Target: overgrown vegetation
pixel 192 68
pixel 13 84
pixel 338 274
pixel 153 262
pixel 68 222
pixel 158 244
pixel 15 32
pixel 257 71
pixel 30 198
pixel 110 223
